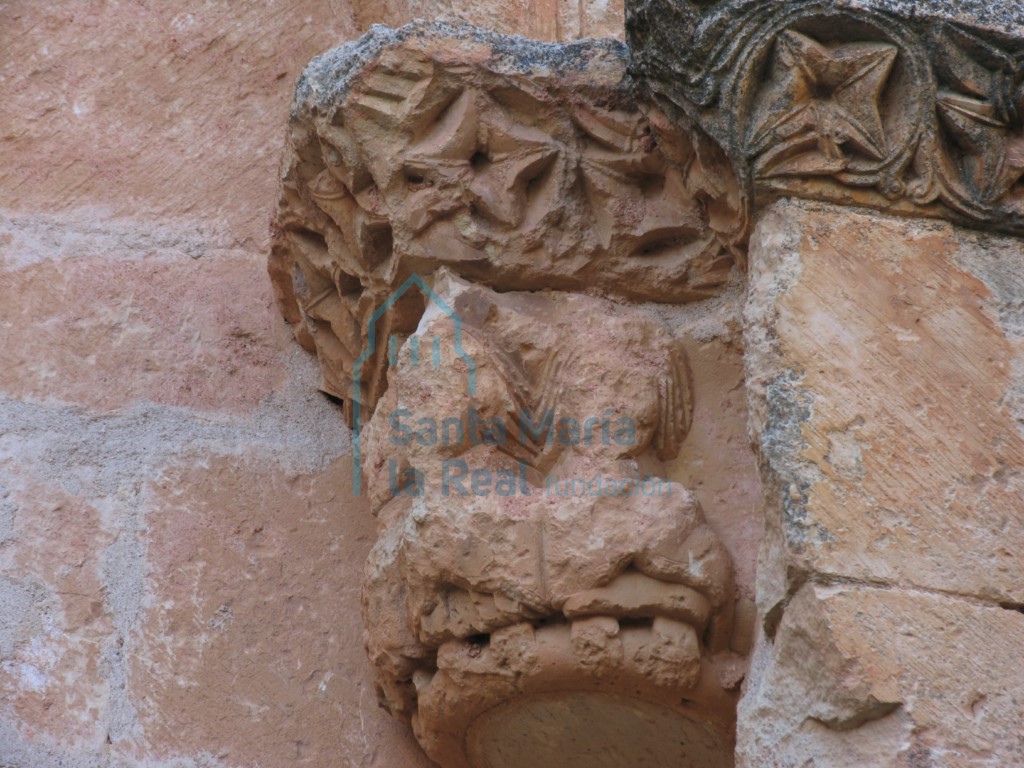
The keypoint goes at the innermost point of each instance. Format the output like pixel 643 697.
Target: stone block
pixel 860 676
pixel 883 362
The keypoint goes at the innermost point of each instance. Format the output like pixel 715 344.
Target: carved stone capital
pixel 913 108
pixel 516 164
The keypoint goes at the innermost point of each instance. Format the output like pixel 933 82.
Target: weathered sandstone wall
pixel 179 553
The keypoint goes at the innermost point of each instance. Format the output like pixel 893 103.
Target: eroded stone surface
pixel 161 327
pixel 427 169
pixel 861 676
pixel 882 366
pixel 138 151
pixel 139 148
pixel 167 115
pixel 252 620
pixel 523 670
pixel 56 615
pixel 164 112
pixel 578 731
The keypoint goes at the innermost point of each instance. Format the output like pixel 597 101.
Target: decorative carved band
pixel 865 103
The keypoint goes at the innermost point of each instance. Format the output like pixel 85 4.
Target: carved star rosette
pixel 529 198
pixel 816 104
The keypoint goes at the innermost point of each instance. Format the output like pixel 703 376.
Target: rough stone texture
pixel 454 570
pixel 153 410
pixel 883 369
pixel 455 567
pixel 252 607
pixel 55 610
pixel 882 359
pixel 198 333
pixel 145 110
pixel 715 461
pixel 150 401
pixel 862 676
pixel 177 549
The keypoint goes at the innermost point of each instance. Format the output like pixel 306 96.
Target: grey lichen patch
pixel 109 454
pixel 20 606
pixel 327 79
pixel 125 571
pixel 780 406
pixel 33 238
pixel 789 408
pixel 108 460
pixel 1001 16
pixel 1015 396
pixel 999 263
pixel 8 511
pixel 18 750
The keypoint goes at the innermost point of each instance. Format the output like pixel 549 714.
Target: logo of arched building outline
pixel 371 347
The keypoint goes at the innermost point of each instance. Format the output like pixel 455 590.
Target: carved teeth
pixel 633 595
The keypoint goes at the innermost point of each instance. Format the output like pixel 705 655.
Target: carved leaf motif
pixel 432 193
pixel 993 156
pixel 676 406
pixel 619 153
pixel 475 155
pixel 976 113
